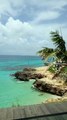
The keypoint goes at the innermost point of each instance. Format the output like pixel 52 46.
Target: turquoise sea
pixel 15 93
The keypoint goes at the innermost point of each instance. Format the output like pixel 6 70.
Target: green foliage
pixel 62 74
pixel 59 52
pixel 64 70
pixel 46 52
pixel 52 69
pixel 60 45
pixel 58 41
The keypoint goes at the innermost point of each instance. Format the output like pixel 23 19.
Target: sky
pixel 25 25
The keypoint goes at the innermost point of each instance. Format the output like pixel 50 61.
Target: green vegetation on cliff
pixel 59 65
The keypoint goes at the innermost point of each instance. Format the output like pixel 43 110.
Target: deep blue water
pixel 19 62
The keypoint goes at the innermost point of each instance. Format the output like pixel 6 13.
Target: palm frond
pixel 58 41
pixel 45 52
pixel 60 50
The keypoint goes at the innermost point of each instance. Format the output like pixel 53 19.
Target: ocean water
pixel 15 93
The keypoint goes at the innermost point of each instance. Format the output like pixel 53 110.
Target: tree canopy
pixel 59 52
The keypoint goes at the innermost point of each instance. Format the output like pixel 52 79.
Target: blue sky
pixel 25 25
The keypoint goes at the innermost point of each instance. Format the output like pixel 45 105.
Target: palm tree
pixel 60 45
pixel 58 41
pixel 46 52
pixel 59 52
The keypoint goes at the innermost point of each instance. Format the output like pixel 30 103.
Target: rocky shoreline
pixel 27 74
pixel 50 88
pixel 43 81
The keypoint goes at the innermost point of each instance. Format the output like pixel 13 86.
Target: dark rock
pixel 36 76
pixel 27 75
pixel 46 87
pixel 29 69
pixel 22 76
pixel 37 83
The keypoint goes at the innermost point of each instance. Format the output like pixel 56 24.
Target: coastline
pixel 45 82
pixel 20 93
pixel 54 82
pixel 42 97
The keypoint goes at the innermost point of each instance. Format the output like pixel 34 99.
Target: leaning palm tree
pixel 59 44
pixel 59 52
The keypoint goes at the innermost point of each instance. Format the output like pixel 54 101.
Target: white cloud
pixel 47 15
pixel 18 37
pixel 50 4
pixel 10 7
pixel 15 7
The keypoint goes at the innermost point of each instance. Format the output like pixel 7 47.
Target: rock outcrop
pixel 47 87
pixel 27 74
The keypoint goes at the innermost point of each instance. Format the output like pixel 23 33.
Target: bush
pixel 52 69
